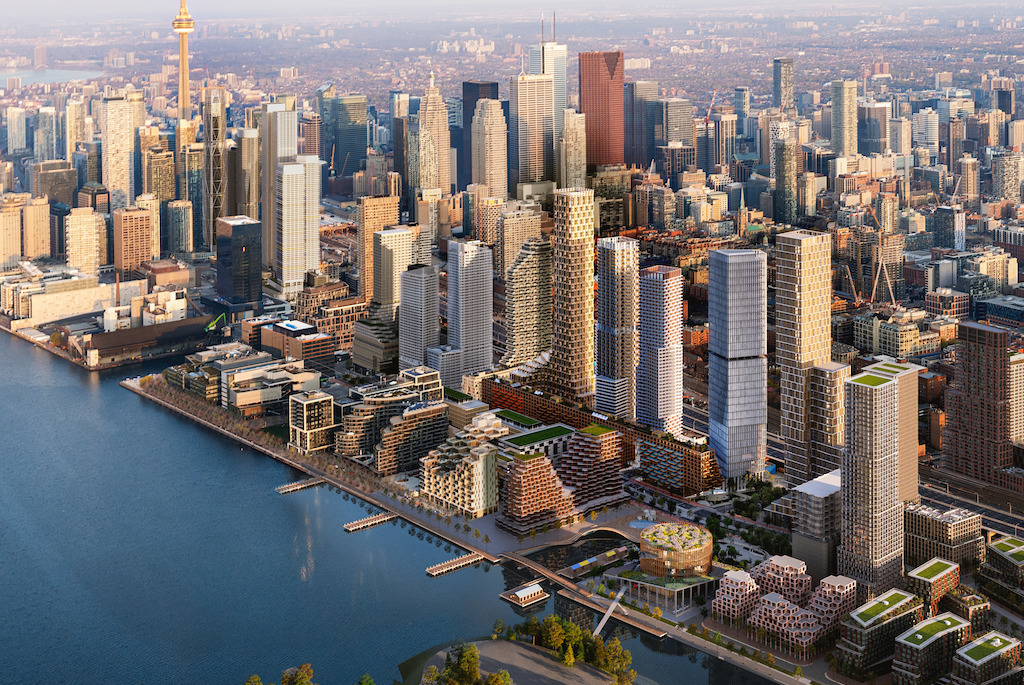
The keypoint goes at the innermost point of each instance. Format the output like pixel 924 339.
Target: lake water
pixel 137 546
pixel 29 78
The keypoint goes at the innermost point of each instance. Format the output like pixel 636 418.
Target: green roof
pixel 516 417
pixel 456 395
pixel 892 367
pixel 926 630
pixel 528 457
pixel 934 569
pixel 1003 547
pixel 881 605
pixel 980 649
pixel 1018 555
pixel 548 433
pixel 597 429
pixel 870 380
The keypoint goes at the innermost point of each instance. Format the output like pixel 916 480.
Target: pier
pixel 299 485
pixel 369 522
pixel 454 564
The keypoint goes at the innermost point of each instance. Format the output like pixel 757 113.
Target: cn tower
pixel 183 25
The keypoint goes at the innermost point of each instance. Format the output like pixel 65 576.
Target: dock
pixel 526 594
pixel 454 564
pixel 369 522
pixel 299 485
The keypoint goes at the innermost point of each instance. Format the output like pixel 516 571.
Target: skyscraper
pixel 392 256
pixel 950 228
pixel 17 129
pixel 118 176
pixel 296 222
pixel 900 139
pixel 488 145
pixel 673 121
pixel 531 129
pixel 190 185
pixel 82 229
pixel 528 303
pixel 785 150
pixel 45 147
pixel 239 262
pixel 515 227
pixel 601 100
pixel 659 387
pixel 470 293
pixel 811 384
pixel 472 92
pixel 245 173
pixel 782 83
pixel 618 271
pixel 350 134
pixel 180 234
pixel 151 204
pixel 871 548
pixel 738 362
pixel 725 137
pixel 873 127
pixel 572 151
pixel 976 442
pixel 638 121
pixel 549 57
pixel 741 106
pixel 433 118
pixel 132 239
pixel 925 128
pixel 375 214
pixel 844 118
pixel 572 355
pixel 418 323
pixel 183 25
pixel 215 172
pixel 278 143
pixel 74 126
pixel 35 229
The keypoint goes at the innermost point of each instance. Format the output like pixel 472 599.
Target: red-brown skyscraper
pixel 601 100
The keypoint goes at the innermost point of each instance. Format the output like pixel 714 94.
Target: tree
pixel 432 676
pixel 769 659
pixel 476 533
pixel 365 679
pixel 568 659
pixel 552 634
pixel 254 680
pixel 499 628
pixel 462 665
pixel 618 660
pixel 656 613
pixel 303 675
pixel 798 672
pixel 500 678
pixel 487 539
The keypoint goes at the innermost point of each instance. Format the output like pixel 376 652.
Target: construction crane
pixel 213 324
pixel 881 269
pixel 707 117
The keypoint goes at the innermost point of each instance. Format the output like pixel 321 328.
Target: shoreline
pixel 679 634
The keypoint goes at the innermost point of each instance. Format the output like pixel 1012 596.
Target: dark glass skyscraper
pixel 350 146
pixel 472 91
pixel 239 259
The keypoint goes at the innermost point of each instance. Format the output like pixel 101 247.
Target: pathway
pixel 611 608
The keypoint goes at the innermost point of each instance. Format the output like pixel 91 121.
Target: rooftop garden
pixel 986 647
pixel 528 457
pixel 923 632
pixel 932 570
pixel 455 395
pixel 676 536
pixel 881 605
pixel 870 380
pixel 668 583
pixel 539 436
pixel 516 417
pixel 596 430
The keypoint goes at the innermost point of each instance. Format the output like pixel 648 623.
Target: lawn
pixel 870 380
pixel 540 436
pixel 881 605
pixel 517 418
pixel 985 648
pixel 934 570
pixel 921 633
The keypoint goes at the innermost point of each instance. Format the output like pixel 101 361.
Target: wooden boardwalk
pixel 369 521
pixel 454 564
pixel 299 485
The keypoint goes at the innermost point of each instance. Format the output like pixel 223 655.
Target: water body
pixel 137 546
pixel 29 78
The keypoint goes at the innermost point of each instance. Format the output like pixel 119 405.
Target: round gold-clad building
pixel 675 549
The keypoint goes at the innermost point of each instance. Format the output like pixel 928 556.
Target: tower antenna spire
pixel 541 27
pixel 554 18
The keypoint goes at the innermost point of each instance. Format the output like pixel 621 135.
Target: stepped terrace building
pixel 867 635
pixel 409 437
pixel 926 651
pixel 786 576
pixel 736 597
pixel 992 659
pixel 462 473
pixel 787 624
pixel 532 495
